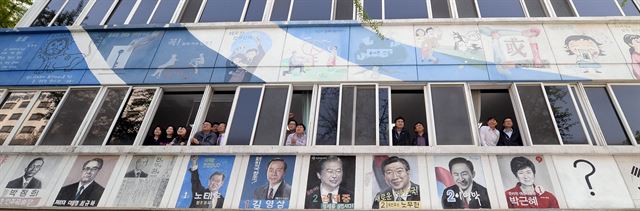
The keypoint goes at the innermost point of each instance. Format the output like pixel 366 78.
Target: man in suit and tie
pixel 86 192
pixel 137 172
pixel 276 188
pixel 465 193
pixel 208 197
pixel 28 180
pixel 397 174
pixel 509 136
pixel 329 193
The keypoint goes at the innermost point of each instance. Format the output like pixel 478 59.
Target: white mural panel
pixel 395 48
pixel 251 47
pixel 630 170
pixel 628 38
pixel 446 44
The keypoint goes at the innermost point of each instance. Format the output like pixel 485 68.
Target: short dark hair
pixel 519 163
pixel 99 160
pixel 277 159
pixel 219 123
pixel 628 38
pixel 416 124
pixel 215 123
pixel 216 173
pixel 34 160
pixel 490 118
pixel 397 118
pixel 572 38
pixel 461 160
pixel 292 120
pixel 331 158
pixel 394 159
pixel 207 121
pixel 508 117
pixel 303 127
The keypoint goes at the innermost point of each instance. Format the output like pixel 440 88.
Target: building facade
pixel 296 104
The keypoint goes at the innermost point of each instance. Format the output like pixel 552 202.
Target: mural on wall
pixel 5 163
pixel 145 181
pixel 268 182
pixel 518 52
pixel 382 73
pixel 313 53
pixel 587 51
pixel 461 183
pixel 244 50
pixel 205 182
pixel 458 44
pixel 367 48
pixel 592 182
pixel 526 182
pixel 29 183
pixel 331 182
pixel 396 183
pixel 127 49
pixel 18 49
pixel 630 170
pixel 58 51
pixel 85 183
pixel 628 38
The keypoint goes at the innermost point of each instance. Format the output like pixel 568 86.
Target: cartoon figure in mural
pixel 513 48
pixel 375 50
pixel 462 42
pixel 633 40
pixel 465 193
pixel 244 60
pixel 430 38
pixel 196 62
pixel 526 194
pixel 333 50
pixel 586 49
pixel 397 176
pixel 296 62
pixel 276 188
pixel 171 62
pixel 54 54
pixel 28 180
pixel 311 53
pixel 208 197
pixel 120 54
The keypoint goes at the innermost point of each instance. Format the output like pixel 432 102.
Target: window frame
pixel 575 106
pixel 14 131
pixel 600 134
pixel 242 15
pixel 431 125
pixel 618 108
pixel 514 105
pixel 89 120
pixel 377 123
pixel 575 11
pixel 283 126
pixel 525 122
pixel 389 112
pixel 236 96
pixel 18 126
pixel 316 112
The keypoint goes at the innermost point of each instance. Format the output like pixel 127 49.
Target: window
pixel 14 97
pixel 52 98
pixel 311 10
pixel 596 8
pixel 466 9
pixel 255 10
pixel 2 116
pixel 566 115
pixel 220 106
pixel 143 12
pixel 562 8
pixel 536 8
pixel 27 129
pixel 71 10
pixel 44 105
pixel 68 120
pixel 190 11
pixel 536 111
pixel 177 108
pixel 222 11
pixel 299 111
pixel 8 105
pixel 280 10
pixel 500 8
pixel 358 115
pixel 121 12
pixel 440 9
pixel 97 12
pixel 410 105
pixel 48 13
pixel 272 116
pixel 246 108
pixel 606 115
pixel 36 117
pixel 373 8
pixel 344 10
pixel 108 111
pixel 164 11
pixel 494 103
pixel 384 104
pixel 15 116
pixel 327 120
pixel 588 125
pixel 24 104
pixel 630 8
pixel 405 9
pixel 627 97
pixel 451 115
pixel 128 124
pixel 6 129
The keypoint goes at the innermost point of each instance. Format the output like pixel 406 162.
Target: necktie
pixel 79 192
pixel 137 174
pixel 399 199
pixel 270 196
pixel 24 184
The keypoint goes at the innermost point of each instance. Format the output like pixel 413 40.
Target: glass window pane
pixel 596 8
pixel 47 103
pixel 440 9
pixel 311 10
pixel 607 116
pixel 373 8
pixel 383 110
pixel 244 116
pixel 562 8
pixel 346 114
pixel 220 106
pixel 537 115
pixel 269 127
pixel 327 128
pixel 365 117
pixel 344 10
pixel 566 115
pixel 164 12
pixel 97 12
pixel 70 12
pixel 466 9
pixel 121 12
pixel 222 11
pixel 191 11
pixel 629 103
pixel 629 8
pixel 9 108
pixel 584 117
pixel 255 11
pixel 143 12
pixel 128 124
pixel 280 10
pixel 408 104
pixel 500 8
pixel 105 115
pixel 535 8
pixel 175 109
pixel 47 14
pixel 451 116
pixel 405 9
pixel 65 126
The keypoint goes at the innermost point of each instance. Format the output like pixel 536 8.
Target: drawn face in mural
pixel 633 40
pixel 397 176
pixel 216 181
pixel 462 175
pixel 56 47
pixel 275 172
pixel 584 47
pixel 331 173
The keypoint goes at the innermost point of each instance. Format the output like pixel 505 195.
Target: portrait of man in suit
pixel 465 193
pixel 138 172
pixel 397 174
pixel 28 180
pixel 208 197
pixel 329 192
pixel 86 192
pixel 276 188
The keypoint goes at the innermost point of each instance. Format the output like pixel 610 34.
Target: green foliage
pixel 11 11
pixel 373 24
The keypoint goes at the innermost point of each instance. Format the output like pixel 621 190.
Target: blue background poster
pixel 256 185
pixel 207 165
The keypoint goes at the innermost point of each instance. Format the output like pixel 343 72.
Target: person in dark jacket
pixel 465 193
pixel 86 192
pixel 401 137
pixel 28 180
pixel 509 136
pixel 208 197
pixel 420 137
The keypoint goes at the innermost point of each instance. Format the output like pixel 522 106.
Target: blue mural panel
pixel 383 73
pixel 127 76
pixel 529 72
pixel 316 46
pixel 248 48
pixel 179 75
pixel 51 77
pixel 235 75
pixel 453 73
pixel 58 52
pixel 9 78
pixel 17 50
pixel 188 49
pixel 326 73
pixel 367 48
pixel 129 49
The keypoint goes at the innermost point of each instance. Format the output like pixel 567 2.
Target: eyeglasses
pixel 94 169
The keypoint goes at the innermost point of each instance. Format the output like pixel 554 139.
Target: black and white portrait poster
pixel 30 181
pixel 86 181
pixel 145 181
pixel 331 182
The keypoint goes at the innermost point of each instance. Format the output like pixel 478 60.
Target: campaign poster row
pixel 321 181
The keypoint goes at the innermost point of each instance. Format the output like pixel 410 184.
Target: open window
pixel 408 103
pixel 495 102
pixel 177 108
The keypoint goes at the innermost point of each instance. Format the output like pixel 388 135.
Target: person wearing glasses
pixel 397 174
pixel 86 192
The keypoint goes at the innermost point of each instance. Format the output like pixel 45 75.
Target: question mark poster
pixel 630 170
pixel 592 182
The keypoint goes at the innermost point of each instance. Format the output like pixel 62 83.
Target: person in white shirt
pixel 489 134
pixel 299 138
